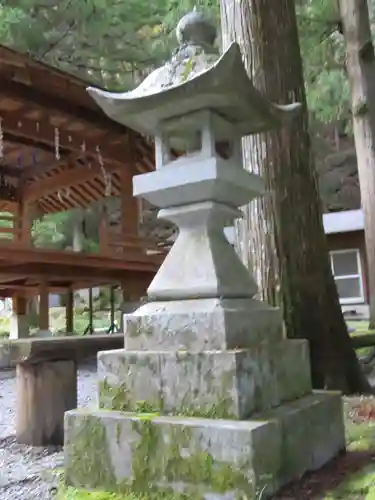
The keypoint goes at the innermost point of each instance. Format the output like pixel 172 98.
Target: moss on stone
pixel 220 410
pixel 118 398
pixel 80 494
pixel 146 407
pixel 145 464
pixel 89 459
pixel 172 457
pixel 113 397
pixel 199 468
pixel 159 454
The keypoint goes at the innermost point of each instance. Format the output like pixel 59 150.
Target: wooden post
pixel 43 308
pixel 104 234
pixel 45 391
pixel 130 302
pixel 23 221
pixel 69 306
pixel 91 318
pixel 112 304
pixel 19 327
pixel 129 205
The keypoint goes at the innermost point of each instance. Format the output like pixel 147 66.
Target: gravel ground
pixel 25 472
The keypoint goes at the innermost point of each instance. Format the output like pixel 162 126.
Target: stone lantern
pixel 207 398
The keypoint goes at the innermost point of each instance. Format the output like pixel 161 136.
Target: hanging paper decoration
pixel 57 143
pixel 106 177
pixel 59 196
pixel 83 147
pixel 108 185
pixel 37 127
pixel 100 158
pixel 1 140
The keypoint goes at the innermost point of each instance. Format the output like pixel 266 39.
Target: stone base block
pixel 313 432
pixel 211 384
pixel 202 324
pixel 44 334
pixel 203 458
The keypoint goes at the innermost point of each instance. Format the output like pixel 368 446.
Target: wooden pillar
pixel 45 391
pixel 104 247
pixel 43 309
pixel 19 325
pixel 130 302
pixel 23 221
pixel 112 305
pixel 19 304
pixel 69 308
pixel 91 315
pixel 129 205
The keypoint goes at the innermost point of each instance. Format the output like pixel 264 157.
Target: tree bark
pixel 360 66
pixel 269 41
pixel 254 233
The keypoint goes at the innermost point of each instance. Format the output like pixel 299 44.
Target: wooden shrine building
pixel 58 151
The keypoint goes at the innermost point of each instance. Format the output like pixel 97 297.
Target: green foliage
pixel 56 231
pixel 48 232
pixel 115 43
pixel 360 485
pixel 323 53
pixel 111 39
pixel 322 48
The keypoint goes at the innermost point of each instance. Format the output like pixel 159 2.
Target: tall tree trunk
pixel 269 40
pixel 360 66
pixel 254 235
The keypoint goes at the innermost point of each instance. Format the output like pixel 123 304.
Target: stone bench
pixel 46 381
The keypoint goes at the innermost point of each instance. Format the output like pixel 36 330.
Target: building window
pixel 347 271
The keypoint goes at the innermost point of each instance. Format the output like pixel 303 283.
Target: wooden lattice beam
pixel 72 177
pixel 64 107
pixel 10 171
pixel 42 135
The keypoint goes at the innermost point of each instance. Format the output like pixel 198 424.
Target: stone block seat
pixel 46 381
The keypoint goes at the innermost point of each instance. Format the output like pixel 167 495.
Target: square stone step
pixel 203 458
pixel 215 384
pixel 202 324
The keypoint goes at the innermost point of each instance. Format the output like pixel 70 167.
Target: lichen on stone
pixel 175 457
pixel 119 398
pixel 89 462
pixel 113 397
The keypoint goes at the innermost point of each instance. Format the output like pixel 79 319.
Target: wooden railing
pixel 10 233
pixel 112 243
